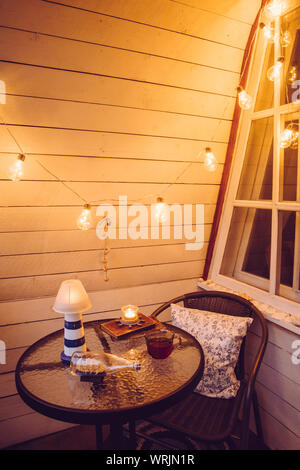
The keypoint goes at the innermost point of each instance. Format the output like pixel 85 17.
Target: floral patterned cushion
pixel 221 337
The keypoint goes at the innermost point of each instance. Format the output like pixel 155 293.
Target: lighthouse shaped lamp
pixel 72 300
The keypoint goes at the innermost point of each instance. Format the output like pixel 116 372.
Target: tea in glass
pixel 159 343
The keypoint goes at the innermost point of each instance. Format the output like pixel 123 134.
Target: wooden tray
pixel 120 331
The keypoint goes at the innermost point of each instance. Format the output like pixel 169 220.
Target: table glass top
pixel 43 374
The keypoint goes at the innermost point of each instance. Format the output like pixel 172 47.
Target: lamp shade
pixel 71 297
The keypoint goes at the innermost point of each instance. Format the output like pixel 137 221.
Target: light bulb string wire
pixel 41 164
pixel 191 163
pixel 94 202
pixel 12 136
pixel 61 181
pixel 250 48
pixel 180 174
pixel 58 179
pixel 246 60
pixel 147 196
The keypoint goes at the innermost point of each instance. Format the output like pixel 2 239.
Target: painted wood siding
pixel 278 390
pixel 115 98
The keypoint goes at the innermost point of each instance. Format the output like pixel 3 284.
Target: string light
pixel 286 38
pixel 292 75
pixel 210 161
pixel 286 138
pixel 16 170
pixel 274 72
pixel 269 33
pixel 290 136
pixel 295 139
pixel 85 221
pixel 275 8
pixel 267 30
pixel 160 210
pixel 245 100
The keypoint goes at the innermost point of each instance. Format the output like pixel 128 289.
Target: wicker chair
pixel 212 420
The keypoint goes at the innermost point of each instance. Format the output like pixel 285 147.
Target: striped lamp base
pixel 74 339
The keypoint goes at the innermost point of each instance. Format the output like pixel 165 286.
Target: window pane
pixel 265 94
pixel 291 30
pixel 287 223
pixel 247 252
pixel 256 178
pixel 289 158
pixel 289 231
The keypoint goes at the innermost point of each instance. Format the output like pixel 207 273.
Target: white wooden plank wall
pixel 115 98
pixel 278 389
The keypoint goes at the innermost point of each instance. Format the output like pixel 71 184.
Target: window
pixel 258 246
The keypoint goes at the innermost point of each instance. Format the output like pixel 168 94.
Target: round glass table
pixel 45 383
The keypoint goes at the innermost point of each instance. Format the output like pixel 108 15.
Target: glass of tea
pixel 159 343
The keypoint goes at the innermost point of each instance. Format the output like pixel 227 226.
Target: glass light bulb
pixel 294 128
pixel 210 161
pixel 286 138
pixel 160 210
pixel 295 140
pixel 16 170
pixel 286 38
pixel 292 75
pixel 268 31
pixel 85 221
pixel 245 100
pixel 275 8
pixel 274 72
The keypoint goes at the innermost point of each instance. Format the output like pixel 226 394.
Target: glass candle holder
pixel 130 314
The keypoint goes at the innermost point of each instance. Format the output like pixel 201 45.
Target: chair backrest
pixel 229 304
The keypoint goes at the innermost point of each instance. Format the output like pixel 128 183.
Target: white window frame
pixel 270 296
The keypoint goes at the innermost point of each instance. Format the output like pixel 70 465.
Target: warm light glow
pixel 292 76
pixel 130 314
pixel 245 100
pixel 210 161
pixel 290 136
pixel 71 298
pixel 295 139
pixel 16 170
pixel 275 8
pixel 286 138
pixel 286 38
pixel 268 31
pixel 274 71
pixel 84 221
pixel 160 210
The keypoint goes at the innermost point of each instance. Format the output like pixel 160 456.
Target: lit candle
pixel 130 314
